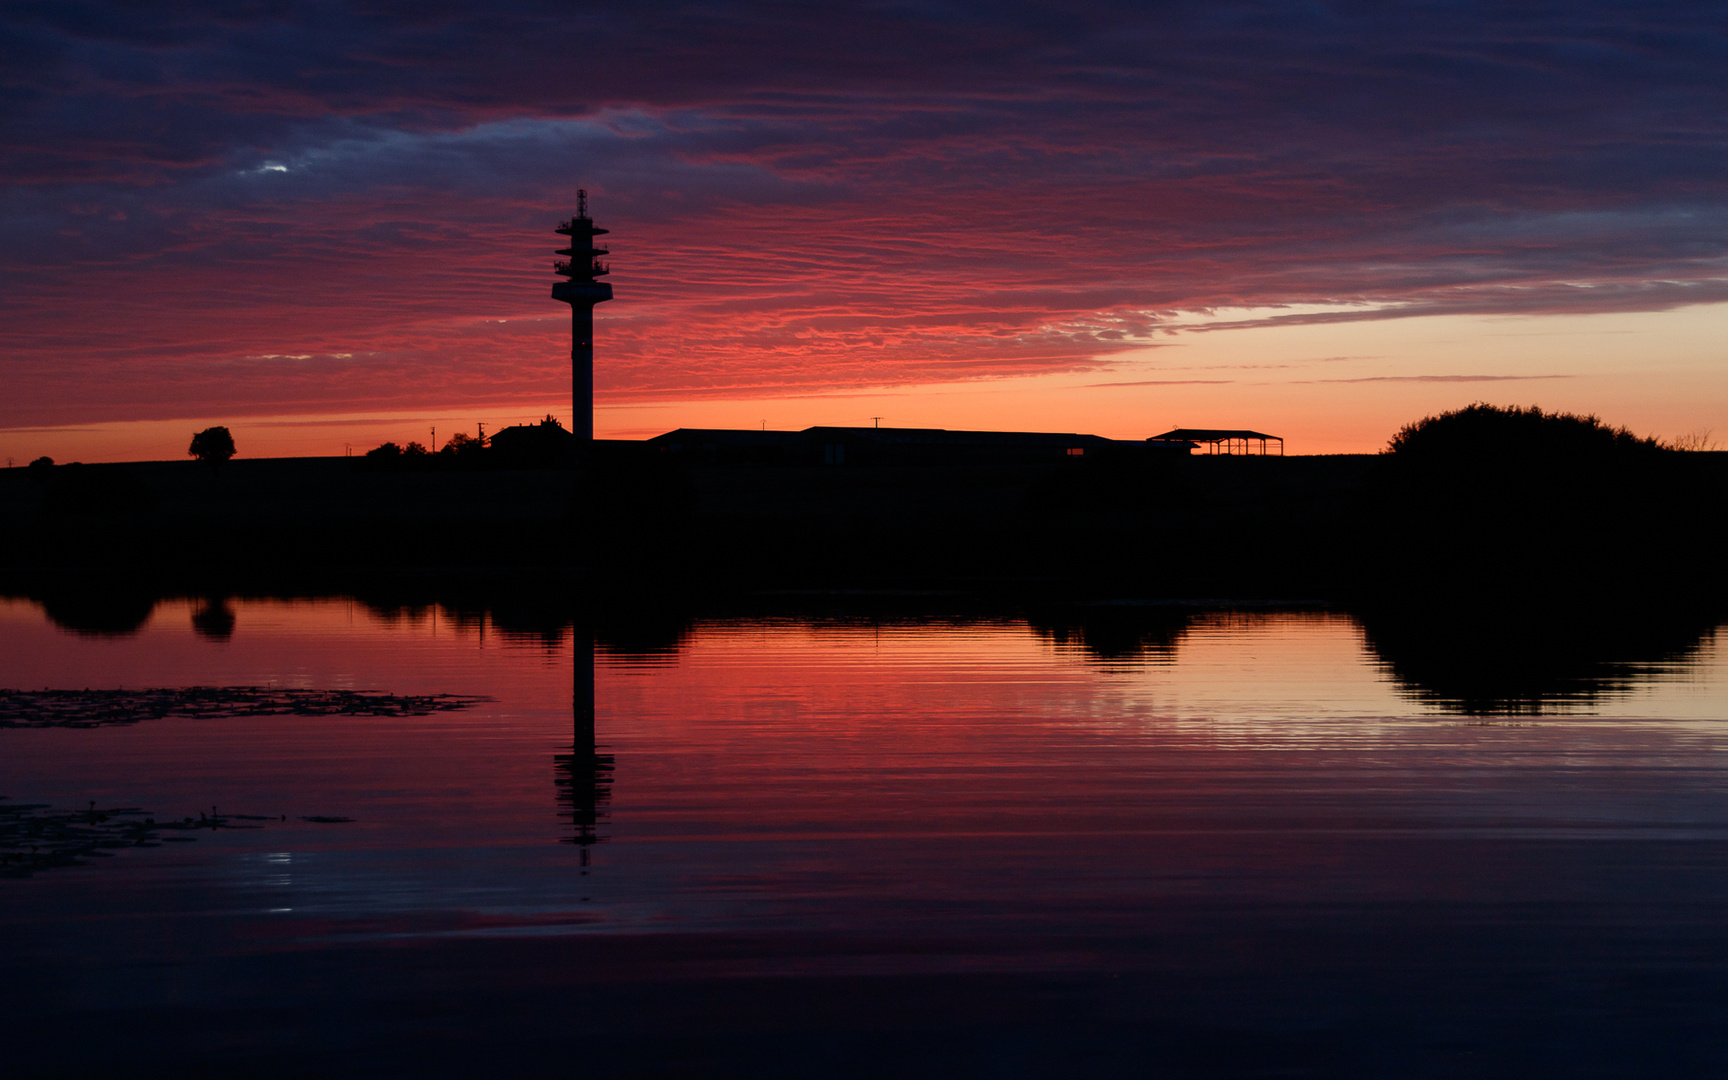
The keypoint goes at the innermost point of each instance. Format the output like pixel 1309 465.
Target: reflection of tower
pixel 582 292
pixel 584 775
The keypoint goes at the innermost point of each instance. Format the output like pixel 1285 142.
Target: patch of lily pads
pixel 36 837
pixel 103 708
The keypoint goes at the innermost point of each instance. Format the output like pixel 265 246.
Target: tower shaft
pixel 582 370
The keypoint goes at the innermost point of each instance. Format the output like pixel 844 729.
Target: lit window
pixel 1076 451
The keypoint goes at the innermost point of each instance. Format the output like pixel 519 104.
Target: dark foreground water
pixel 1205 844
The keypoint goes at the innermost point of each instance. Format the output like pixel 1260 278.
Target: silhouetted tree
pixel 214 445
pixel 463 444
pixel 42 463
pixel 464 451
pixel 393 458
pixel 1483 431
pixel 1496 501
pixel 1493 467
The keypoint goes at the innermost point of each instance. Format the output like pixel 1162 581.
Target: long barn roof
pixel 1215 434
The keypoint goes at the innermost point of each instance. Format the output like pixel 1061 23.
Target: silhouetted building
pixel 1224 440
pixel 840 446
pixel 582 292
pixel 531 445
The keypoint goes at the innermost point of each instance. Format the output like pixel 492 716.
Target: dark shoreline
pixel 632 526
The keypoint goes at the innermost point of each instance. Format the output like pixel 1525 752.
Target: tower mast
pixel 582 292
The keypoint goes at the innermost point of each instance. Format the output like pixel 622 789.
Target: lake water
pixel 1135 842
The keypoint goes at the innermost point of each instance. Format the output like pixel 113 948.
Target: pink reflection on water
pixel 792 772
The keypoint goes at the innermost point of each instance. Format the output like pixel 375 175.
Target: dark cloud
pixel 1160 382
pixel 1443 378
pixel 815 195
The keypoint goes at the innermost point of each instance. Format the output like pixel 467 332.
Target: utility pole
pixel 582 292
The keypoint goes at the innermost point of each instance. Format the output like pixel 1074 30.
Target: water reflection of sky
pixel 771 734
pixel 919 796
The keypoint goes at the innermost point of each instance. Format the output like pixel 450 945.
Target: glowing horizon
pixel 1302 381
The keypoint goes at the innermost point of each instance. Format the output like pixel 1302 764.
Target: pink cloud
pixel 802 200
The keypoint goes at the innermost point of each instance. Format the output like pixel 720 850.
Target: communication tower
pixel 582 292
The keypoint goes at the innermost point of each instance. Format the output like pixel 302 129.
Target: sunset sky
pixel 328 225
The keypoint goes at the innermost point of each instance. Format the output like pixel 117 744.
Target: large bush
pixel 1482 431
pixel 1508 499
